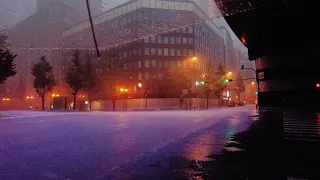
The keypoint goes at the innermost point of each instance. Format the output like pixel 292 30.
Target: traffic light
pixel 202 82
pixel 227 80
pixel 317 85
pixel 197 83
pixel 256 93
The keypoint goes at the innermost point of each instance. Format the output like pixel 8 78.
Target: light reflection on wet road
pixel 93 145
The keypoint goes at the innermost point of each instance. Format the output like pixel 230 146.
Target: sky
pixel 13 11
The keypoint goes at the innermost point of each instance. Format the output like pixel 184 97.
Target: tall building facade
pixel 231 62
pixel 150 37
pixel 80 6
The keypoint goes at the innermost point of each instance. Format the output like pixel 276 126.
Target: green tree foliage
pixel 21 89
pixel 43 78
pixel 219 82
pixel 209 77
pixel 75 76
pixel 91 80
pixel 7 66
pixel 178 79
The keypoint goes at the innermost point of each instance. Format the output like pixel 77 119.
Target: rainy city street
pixel 104 145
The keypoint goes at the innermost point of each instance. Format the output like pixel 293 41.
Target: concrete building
pixel 232 63
pixel 151 36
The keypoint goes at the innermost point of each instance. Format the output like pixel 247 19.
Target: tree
pixel 3 39
pixel 21 89
pixel 44 78
pixel 75 76
pixel 239 86
pixel 209 79
pixel 7 66
pixel 90 79
pixel 219 82
pixel 178 79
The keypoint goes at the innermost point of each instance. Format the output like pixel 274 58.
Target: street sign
pixel 185 91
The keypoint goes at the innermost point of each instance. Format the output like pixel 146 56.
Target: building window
pixel 166 51
pixel 178 40
pixel 190 29
pixel 184 40
pixel 139 64
pixel 184 30
pixel 159 39
pixel 153 63
pixel 191 52
pixel 153 39
pixel 146 51
pixel 159 51
pixel 172 52
pixel 160 64
pixel 146 76
pixel 190 40
pixel 166 40
pixel 171 40
pixel 153 51
pixel 146 63
pixel 166 64
pixel 140 76
pixel 178 52
pixel 146 40
pixel 185 52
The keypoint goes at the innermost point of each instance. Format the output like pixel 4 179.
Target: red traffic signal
pixel 318 85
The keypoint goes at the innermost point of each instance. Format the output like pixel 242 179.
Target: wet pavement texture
pixel 111 145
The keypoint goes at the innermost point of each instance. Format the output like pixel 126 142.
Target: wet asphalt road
pixel 97 145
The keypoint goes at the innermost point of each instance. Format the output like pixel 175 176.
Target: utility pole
pixel 92 29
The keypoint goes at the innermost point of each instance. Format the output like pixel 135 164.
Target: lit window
pixel 172 52
pixel 153 63
pixel 146 51
pixel 153 51
pixel 178 52
pixel 146 63
pixel 160 51
pixel 184 40
pixel 166 51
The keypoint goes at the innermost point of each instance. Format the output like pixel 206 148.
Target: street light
pixel 252 83
pixel 194 58
pixel 121 90
pixel 229 73
pixel 139 85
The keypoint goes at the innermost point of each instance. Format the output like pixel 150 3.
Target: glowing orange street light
pixel 121 90
pixel 126 90
pixel 252 83
pixel 28 97
pixel 53 95
pixel 229 73
pixel 194 58
pixel 139 85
